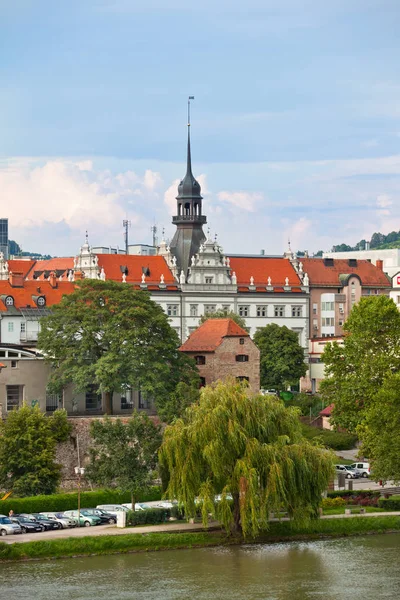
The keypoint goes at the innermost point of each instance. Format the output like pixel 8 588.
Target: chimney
pixel 79 275
pixel 16 279
pixel 53 279
pixel 379 264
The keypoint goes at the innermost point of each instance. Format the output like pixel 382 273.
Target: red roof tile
pixel 23 296
pixel 327 411
pixel 321 274
pixel 157 266
pixel 20 266
pixel 262 267
pixel 210 334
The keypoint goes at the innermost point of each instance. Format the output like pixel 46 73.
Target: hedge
pixel 152 516
pixel 62 502
pixel 354 493
pixel 392 503
pixel 336 440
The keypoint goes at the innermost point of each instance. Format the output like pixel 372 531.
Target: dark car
pixel 37 518
pixel 105 516
pixel 27 525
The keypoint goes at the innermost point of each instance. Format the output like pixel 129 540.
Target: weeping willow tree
pixel 250 450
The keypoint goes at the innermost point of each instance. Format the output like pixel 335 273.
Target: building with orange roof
pixel 222 349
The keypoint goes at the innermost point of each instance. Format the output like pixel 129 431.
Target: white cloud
pixel 298 233
pixel 383 201
pixel 243 200
pixel 170 197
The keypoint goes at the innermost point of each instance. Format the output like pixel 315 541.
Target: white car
pixel 166 504
pixel 138 506
pixel 363 468
pixel 113 509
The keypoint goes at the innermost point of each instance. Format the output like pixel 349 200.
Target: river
pixel 359 568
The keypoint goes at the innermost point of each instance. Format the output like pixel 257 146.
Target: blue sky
pixel 295 123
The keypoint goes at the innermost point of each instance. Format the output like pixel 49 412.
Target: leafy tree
pixel 281 356
pixel 224 314
pixel 184 395
pixel 250 447
pixel 27 450
pixel 124 453
pixel 109 335
pixel 370 353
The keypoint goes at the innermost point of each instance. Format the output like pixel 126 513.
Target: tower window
pixel 200 360
pixel 209 280
pixel 242 358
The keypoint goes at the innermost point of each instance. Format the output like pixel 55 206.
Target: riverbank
pixel 145 542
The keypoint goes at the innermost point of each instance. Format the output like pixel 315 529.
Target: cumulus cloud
pixel 298 233
pixel 171 193
pixel 383 201
pixel 243 200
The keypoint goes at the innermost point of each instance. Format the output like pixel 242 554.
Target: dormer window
pixel 9 301
pixel 41 301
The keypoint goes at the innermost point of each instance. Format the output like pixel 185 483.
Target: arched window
pixel 187 208
pixel 9 301
pixel 41 301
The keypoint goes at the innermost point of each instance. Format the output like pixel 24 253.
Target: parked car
pixel 105 516
pixel 65 522
pixel 113 509
pixel 38 518
pixel 166 504
pixel 7 527
pixel 362 467
pixel 348 471
pixel 138 506
pixel 27 526
pixel 86 519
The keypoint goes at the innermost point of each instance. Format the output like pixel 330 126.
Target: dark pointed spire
pixel 189 187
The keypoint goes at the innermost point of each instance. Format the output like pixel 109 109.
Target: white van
pixel 363 467
pixel 113 509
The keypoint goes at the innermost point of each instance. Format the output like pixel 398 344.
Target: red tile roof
pixel 321 274
pixel 262 267
pixel 210 334
pixel 20 266
pixel 326 412
pixel 157 266
pixel 53 264
pixel 23 296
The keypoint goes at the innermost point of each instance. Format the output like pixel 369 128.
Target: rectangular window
pixel 209 309
pixel 53 402
pixel 14 364
pixel 244 310
pixel 200 360
pixel 11 326
pixel 143 401
pixel 23 327
pixel 209 280
pixel 315 323
pixel 194 310
pixel 297 311
pixel 13 396
pixel 279 311
pixel 315 309
pixel 328 322
pixel 242 358
pixel 92 398
pixel 340 322
pixel 126 398
pixel 172 310
pixel 262 311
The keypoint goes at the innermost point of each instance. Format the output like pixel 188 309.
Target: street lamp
pixel 79 471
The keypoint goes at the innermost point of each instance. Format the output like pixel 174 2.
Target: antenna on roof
pixel 126 224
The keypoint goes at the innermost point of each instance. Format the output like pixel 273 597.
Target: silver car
pixel 63 520
pixel 7 527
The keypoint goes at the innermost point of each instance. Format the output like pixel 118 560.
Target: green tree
pixel 109 335
pixel 281 356
pixel 184 395
pixel 250 447
pixel 27 450
pixel 224 314
pixel 356 370
pixel 124 453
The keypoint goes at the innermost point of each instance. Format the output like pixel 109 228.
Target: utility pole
pixel 126 225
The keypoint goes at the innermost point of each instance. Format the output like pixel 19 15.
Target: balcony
pixel 201 219
pixel 28 336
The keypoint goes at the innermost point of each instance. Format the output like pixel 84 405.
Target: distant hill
pixel 16 250
pixel 379 241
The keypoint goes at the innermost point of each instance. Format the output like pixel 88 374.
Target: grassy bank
pixel 283 531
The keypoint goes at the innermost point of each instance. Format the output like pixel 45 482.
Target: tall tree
pixel 224 314
pixel 124 453
pixel 356 370
pixel 109 335
pixel 250 447
pixel 281 356
pixel 27 450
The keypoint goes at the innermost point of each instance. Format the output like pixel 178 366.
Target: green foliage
pixel 152 516
pixel 379 241
pixel 333 527
pixel 392 503
pixel 247 446
pixel 363 382
pixel 224 314
pixel 336 440
pixel 62 502
pixel 281 356
pixel 107 544
pixel 124 453
pixel 336 502
pixel 27 450
pixel 305 402
pixel 184 395
pixel 109 335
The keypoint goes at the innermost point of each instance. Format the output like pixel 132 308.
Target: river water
pixel 360 568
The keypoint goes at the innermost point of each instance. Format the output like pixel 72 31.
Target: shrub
pixel 392 503
pixel 350 494
pixel 152 516
pixel 333 502
pixel 61 502
pixel 335 440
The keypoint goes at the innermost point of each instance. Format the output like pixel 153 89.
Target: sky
pixel 295 123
